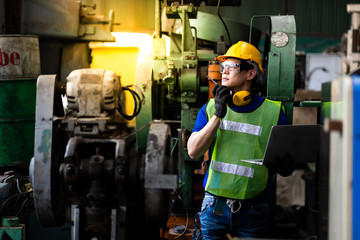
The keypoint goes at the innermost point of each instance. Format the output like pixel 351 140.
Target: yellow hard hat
pixel 243 50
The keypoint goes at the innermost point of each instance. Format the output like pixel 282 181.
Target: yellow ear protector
pixel 242 98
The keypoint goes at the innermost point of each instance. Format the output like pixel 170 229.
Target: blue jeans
pixel 251 221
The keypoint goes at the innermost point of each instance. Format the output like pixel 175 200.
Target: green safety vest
pixel 241 139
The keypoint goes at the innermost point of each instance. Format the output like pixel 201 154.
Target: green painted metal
pixel 188 117
pixel 310 104
pixel 187 45
pixel 189 81
pixel 17 120
pixel 281 66
pixel 315 44
pixel 281 61
pixel 189 84
pixel 11 229
pixel 326 100
pixel 210 28
pixel 175 78
pixel 14 233
pixel 10 221
pixel 146 80
pixel 171 78
pixel 143 79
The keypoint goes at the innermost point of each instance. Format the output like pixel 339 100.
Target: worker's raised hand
pixel 222 96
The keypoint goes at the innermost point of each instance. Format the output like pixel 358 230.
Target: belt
pixel 234 204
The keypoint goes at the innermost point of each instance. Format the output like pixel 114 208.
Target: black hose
pixel 137 102
pixel 227 30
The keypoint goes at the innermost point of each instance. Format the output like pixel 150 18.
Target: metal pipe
pixel 157 19
pixel 226 28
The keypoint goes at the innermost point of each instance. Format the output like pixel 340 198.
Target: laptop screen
pixel 301 143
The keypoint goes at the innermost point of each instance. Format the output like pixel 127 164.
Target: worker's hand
pixel 222 96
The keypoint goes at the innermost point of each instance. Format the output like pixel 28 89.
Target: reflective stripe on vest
pixel 235 171
pixel 241 127
pixel 232 169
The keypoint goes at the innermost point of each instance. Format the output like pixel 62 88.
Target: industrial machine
pixel 103 179
pixel 86 169
pixel 175 78
pixel 108 180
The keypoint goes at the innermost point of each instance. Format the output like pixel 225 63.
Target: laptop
pixel 299 143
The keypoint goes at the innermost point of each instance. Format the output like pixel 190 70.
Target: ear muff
pixel 241 98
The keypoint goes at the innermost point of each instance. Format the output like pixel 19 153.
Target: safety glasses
pixel 229 66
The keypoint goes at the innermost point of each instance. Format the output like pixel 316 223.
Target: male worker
pixel 235 127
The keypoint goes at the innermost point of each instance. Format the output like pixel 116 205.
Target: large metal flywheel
pixel 158 179
pixel 49 147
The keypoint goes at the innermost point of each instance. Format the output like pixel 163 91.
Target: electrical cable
pixel 17 196
pixel 22 206
pixel 17 185
pixel 187 216
pixel 173 148
pixel 227 30
pixel 138 101
pixel 7 178
pixel 11 198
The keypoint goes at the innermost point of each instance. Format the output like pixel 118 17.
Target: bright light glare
pixel 128 39
pixel 143 41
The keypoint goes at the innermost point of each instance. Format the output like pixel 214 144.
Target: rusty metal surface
pixel 43 150
pixel 156 148
pixel 65 19
pixel 156 159
pixel 120 148
pixel 51 18
pixel 161 181
pixel 91 173
pixel 210 28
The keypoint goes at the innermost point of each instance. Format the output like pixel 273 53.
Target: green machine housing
pixel 174 77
